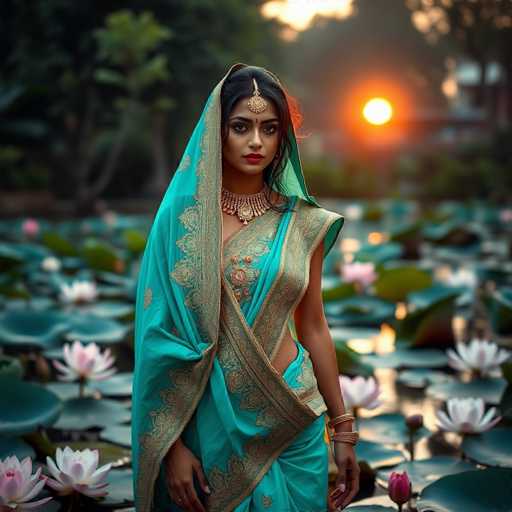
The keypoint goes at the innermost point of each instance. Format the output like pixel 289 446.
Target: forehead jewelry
pixel 256 103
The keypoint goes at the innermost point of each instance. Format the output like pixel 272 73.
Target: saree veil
pixel 192 334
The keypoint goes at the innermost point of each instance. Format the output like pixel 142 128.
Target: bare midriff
pixel 287 350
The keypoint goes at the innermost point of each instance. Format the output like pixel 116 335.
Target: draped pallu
pixel 204 344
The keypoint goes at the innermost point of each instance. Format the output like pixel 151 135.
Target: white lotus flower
pixel 78 292
pixel 85 362
pixel 362 273
pixel 466 416
pixel 78 471
pixel 480 356
pixel 51 264
pixel 18 485
pixel 353 212
pixel 462 277
pixel 360 392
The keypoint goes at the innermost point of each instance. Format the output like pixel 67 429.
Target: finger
pixel 195 504
pixel 202 479
pixel 353 486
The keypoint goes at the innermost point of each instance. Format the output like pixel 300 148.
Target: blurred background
pixel 98 99
pixel 407 110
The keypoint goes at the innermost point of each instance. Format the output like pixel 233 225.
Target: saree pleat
pixel 209 321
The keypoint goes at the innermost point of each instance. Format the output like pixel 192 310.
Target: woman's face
pixel 250 133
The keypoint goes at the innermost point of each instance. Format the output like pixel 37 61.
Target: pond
pixel 419 304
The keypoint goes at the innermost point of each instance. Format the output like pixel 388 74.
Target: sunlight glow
pixel 300 13
pixel 378 111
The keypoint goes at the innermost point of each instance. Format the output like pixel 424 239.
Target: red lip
pixel 253 155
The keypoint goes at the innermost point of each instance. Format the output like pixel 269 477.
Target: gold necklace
pixel 245 206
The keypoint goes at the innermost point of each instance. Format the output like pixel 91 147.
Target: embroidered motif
pixel 267 501
pixel 185 164
pixel 148 297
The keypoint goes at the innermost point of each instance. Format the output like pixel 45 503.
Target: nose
pixel 255 139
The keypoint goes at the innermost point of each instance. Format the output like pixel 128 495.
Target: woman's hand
pixel 347 481
pixel 181 464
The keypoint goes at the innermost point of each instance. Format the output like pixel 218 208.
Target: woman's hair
pixel 239 85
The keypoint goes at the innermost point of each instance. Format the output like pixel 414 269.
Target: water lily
pixel 30 227
pixel 506 215
pixel 361 274
pixel 85 362
pixel 18 486
pixel 51 264
pixel 77 471
pixel 78 292
pixel 399 488
pixel 482 357
pixel 462 277
pixel 466 416
pixel 360 392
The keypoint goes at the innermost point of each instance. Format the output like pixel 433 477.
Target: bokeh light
pixel 378 111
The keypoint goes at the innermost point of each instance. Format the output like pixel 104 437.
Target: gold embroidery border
pixel 279 408
pixel 312 224
pixel 198 271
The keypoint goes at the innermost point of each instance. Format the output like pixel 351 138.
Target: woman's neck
pixel 242 184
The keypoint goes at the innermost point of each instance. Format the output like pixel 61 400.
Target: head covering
pixel 179 293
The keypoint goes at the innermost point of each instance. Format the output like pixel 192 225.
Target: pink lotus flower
pixel 360 392
pixel 85 363
pixel 18 485
pixel 399 488
pixel 466 416
pixel 30 227
pixel 506 215
pixel 78 471
pixel 361 273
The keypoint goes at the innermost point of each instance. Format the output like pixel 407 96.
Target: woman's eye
pixel 270 130
pixel 238 127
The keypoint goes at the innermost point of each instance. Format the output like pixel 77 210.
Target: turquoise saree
pixel 210 318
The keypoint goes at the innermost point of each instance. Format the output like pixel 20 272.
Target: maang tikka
pixel 256 103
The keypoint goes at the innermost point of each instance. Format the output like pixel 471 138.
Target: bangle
pixel 346 437
pixel 340 419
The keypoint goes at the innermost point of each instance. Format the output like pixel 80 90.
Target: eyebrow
pixel 250 120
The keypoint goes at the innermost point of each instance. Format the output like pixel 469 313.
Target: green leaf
pixel 489 389
pixel 396 283
pixel 492 448
pixel 470 491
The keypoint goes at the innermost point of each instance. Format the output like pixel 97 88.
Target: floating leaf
pixel 15 446
pixel 470 491
pixel 387 428
pixel 403 357
pixel 119 384
pixel 117 434
pixel 492 448
pixel 359 311
pixel 26 406
pixel 377 455
pixel 83 413
pixel 88 328
pixel 395 284
pixel 489 389
pixel 421 377
pixel 424 472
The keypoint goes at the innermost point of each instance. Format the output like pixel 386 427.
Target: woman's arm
pixel 313 333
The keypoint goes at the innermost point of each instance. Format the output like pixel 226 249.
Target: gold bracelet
pixel 340 419
pixel 346 437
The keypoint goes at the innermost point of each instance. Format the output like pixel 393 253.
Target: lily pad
pixel 359 311
pixel 10 446
pixel 88 328
pixel 424 472
pixel 387 428
pixel 470 491
pixel 490 390
pixel 492 448
pixel 26 406
pixel 395 284
pixel 377 455
pixel 379 253
pixel 84 413
pixel 100 255
pixel 108 309
pixel 117 434
pixel 67 390
pixel 119 384
pixel 421 377
pixel 120 488
pixel 39 329
pixel 403 357
pixel 349 361
pixel 10 367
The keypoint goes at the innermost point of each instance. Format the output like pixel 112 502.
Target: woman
pixel 228 408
